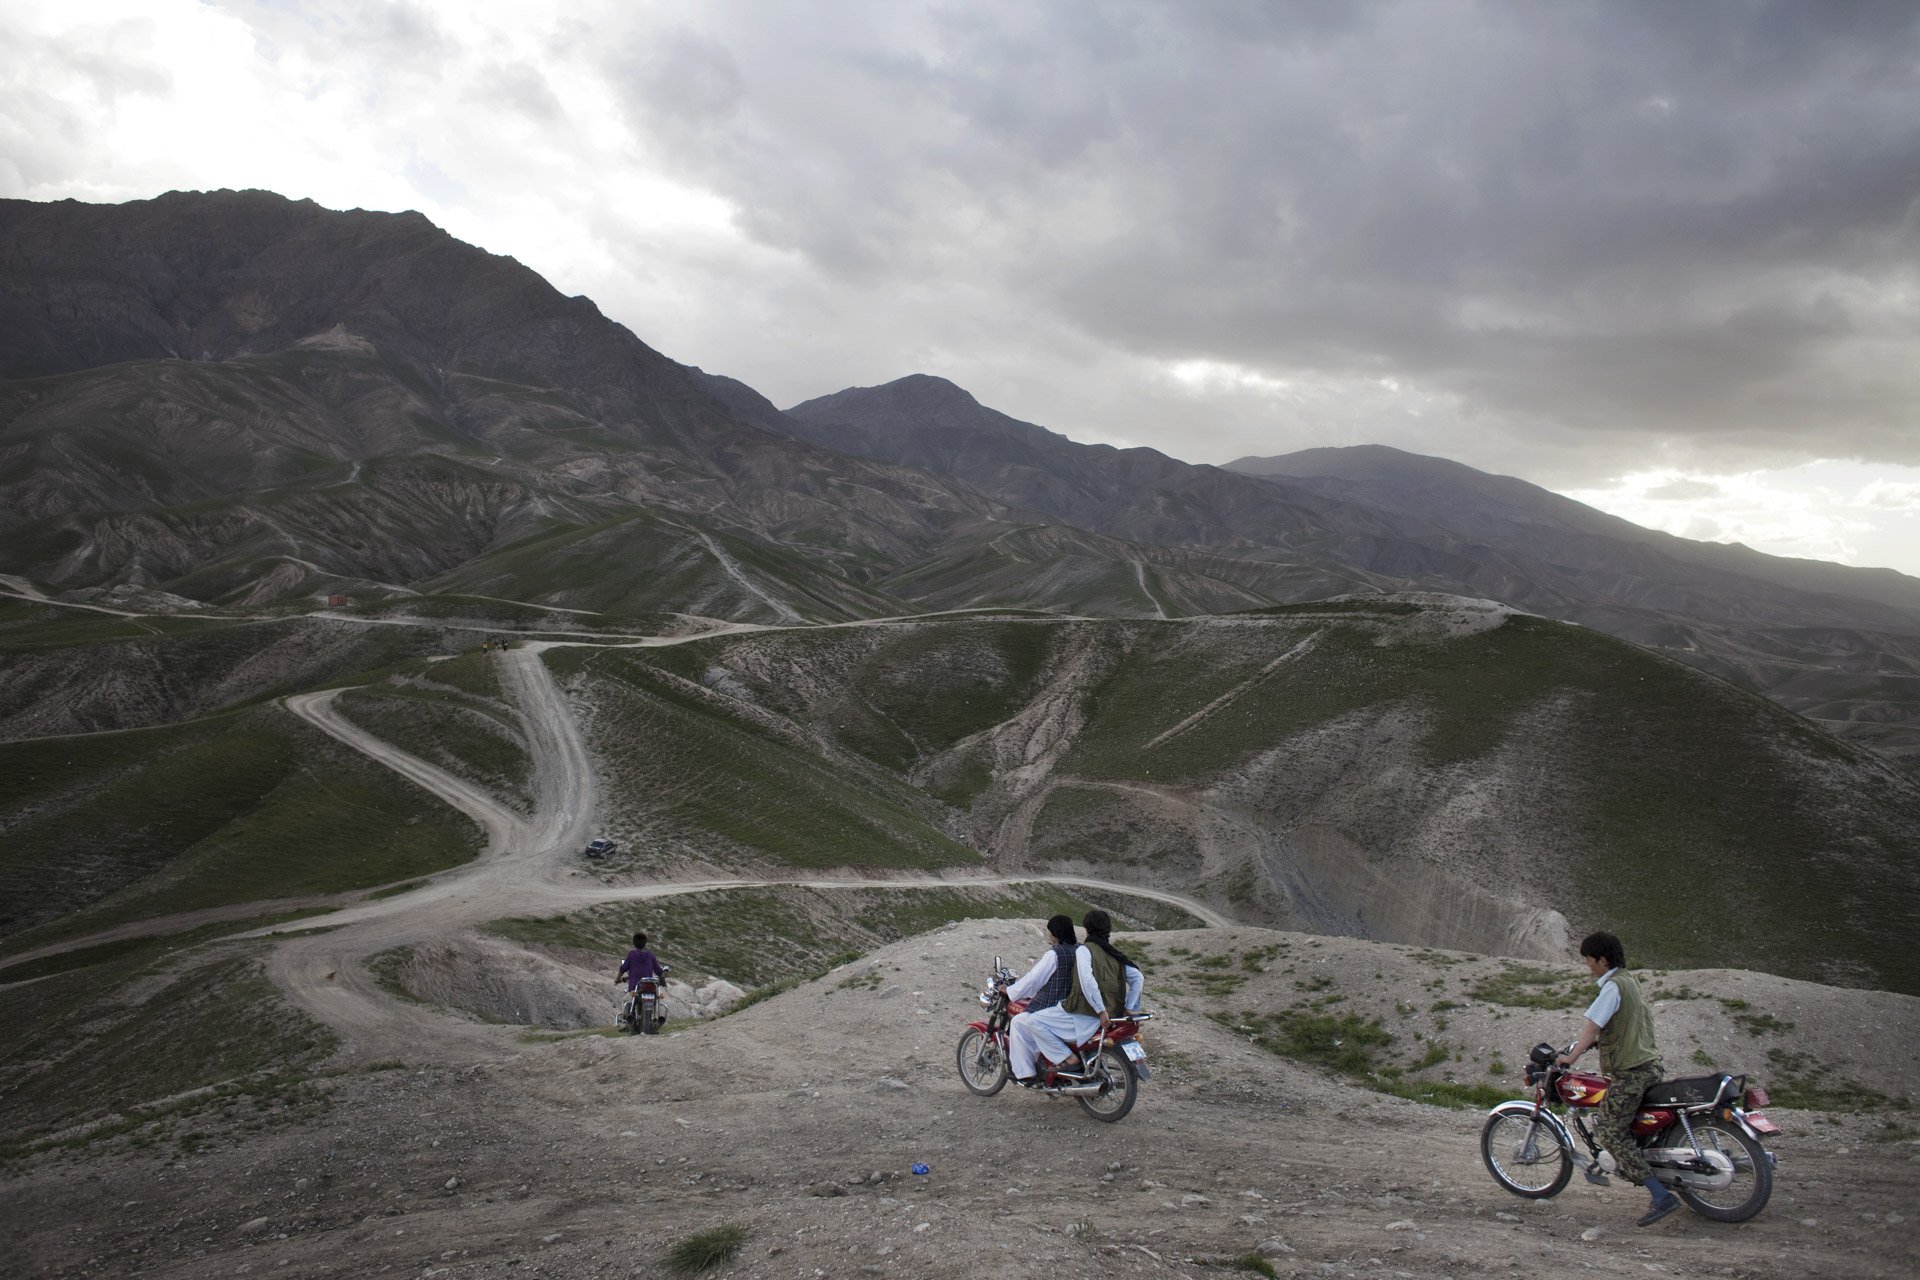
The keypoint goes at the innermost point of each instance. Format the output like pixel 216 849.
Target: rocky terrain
pixel 800 1120
pixel 374 1095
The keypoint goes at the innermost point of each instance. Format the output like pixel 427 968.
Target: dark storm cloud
pixel 1695 219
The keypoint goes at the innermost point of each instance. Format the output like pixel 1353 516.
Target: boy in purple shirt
pixel 640 963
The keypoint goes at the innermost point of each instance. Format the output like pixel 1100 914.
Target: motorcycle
pixel 1701 1135
pixel 1106 1088
pixel 646 1008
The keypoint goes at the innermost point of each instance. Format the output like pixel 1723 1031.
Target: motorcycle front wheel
pixel 1524 1156
pixel 1752 1184
pixel 1113 1102
pixel 983 1067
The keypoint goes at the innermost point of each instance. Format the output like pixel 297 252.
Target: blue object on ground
pixel 921 1168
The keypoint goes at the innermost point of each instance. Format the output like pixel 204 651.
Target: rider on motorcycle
pixel 1622 1024
pixel 641 963
pixel 1101 977
pixel 1042 987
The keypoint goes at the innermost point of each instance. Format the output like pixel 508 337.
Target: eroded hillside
pixel 1422 770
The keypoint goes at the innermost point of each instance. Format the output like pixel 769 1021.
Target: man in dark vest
pixel 1105 984
pixel 1619 1021
pixel 1043 987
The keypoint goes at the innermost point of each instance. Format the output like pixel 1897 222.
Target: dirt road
pixel 453 1150
pixel 524 869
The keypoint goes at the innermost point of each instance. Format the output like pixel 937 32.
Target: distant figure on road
pixel 640 963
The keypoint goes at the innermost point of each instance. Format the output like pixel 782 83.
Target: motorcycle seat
pixel 1694 1091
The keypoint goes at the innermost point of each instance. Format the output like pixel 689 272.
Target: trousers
pixel 1052 1032
pixel 1615 1113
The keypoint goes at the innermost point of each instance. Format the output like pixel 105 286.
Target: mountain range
pixel 251 447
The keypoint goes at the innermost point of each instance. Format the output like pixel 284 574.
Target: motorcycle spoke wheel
pixel 1114 1101
pixel 983 1066
pixel 1524 1156
pixel 1752 1184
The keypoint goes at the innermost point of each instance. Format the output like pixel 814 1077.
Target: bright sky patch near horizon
pixel 1662 258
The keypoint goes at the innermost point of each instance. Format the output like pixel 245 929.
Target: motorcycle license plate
pixel 1135 1051
pixel 1761 1124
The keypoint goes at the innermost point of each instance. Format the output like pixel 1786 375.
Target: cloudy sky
pixel 1664 257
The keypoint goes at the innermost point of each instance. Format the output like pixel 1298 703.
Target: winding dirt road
pixel 523 869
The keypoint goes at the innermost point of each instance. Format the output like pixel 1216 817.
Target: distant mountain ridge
pixel 1493 506
pixel 244 399
pixel 1839 644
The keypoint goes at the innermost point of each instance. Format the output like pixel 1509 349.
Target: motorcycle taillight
pixel 1757 1098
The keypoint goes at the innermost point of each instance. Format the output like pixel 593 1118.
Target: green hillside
pixel 1621 789
pixel 688 774
pixel 246 807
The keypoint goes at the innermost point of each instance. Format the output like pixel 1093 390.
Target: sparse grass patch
pixel 1447 1093
pixel 1524 987
pixel 1797 1081
pixel 1344 1044
pixel 1350 1046
pixel 705 1250
pixel 98 1046
pixel 1759 1024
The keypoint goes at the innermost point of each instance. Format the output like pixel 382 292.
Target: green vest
pixel 1627 1039
pixel 1107 975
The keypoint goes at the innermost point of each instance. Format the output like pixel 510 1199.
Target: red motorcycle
pixel 1701 1135
pixel 1116 1063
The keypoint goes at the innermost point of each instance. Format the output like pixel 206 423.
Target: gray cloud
pixel 1601 222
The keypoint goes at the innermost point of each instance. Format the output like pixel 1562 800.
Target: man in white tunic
pixel 1042 987
pixel 1102 980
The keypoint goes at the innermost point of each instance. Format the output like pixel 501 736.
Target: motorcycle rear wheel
pixel 1111 1069
pixel 1525 1156
pixel 1752 1184
pixel 647 1024
pixel 983 1066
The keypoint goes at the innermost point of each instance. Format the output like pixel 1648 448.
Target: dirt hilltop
pixel 801 1118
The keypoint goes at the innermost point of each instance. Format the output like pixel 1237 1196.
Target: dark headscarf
pixel 1099 924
